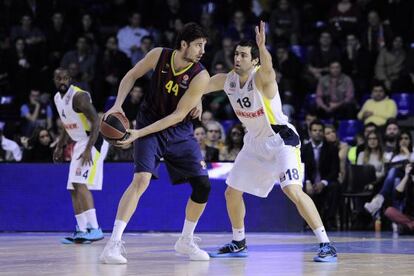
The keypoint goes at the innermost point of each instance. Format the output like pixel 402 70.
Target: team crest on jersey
pixel 203 164
pixel 282 177
pixel 78 172
pixel 232 84
pixel 184 82
pixel 250 86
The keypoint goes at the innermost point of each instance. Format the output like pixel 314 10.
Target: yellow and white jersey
pixel 75 124
pixel 254 110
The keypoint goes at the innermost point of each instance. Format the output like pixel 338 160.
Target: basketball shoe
pixel 113 253
pixel 187 246
pixel 234 249
pixel 326 253
pixel 77 237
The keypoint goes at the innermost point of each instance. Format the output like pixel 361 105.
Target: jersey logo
pixel 232 84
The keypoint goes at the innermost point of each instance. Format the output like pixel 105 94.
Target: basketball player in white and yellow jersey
pixel 271 151
pixel 81 124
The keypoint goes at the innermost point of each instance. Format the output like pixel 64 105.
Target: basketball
pixel 114 126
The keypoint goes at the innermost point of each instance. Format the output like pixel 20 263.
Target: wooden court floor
pixel 360 253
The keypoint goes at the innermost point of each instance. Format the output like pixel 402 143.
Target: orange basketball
pixel 114 126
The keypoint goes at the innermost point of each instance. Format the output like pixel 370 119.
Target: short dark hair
pixel 318 123
pixel 254 50
pixel 376 83
pixel 370 124
pixel 190 32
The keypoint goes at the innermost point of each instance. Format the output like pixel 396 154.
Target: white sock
pixel 188 228
pixel 321 235
pixel 119 227
pixel 238 234
pixel 82 222
pixel 91 218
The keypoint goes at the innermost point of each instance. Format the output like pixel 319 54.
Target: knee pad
pixel 201 189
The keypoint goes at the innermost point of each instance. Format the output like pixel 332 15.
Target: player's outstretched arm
pixel 190 99
pixel 82 103
pixel 149 62
pixel 216 83
pixel 266 74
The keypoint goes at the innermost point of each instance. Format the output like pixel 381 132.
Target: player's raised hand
pixel 260 34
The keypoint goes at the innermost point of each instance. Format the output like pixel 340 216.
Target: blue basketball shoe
pixel 326 253
pixel 234 249
pixel 94 234
pixel 77 237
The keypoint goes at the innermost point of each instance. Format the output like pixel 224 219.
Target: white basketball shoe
pixel 187 246
pixel 113 253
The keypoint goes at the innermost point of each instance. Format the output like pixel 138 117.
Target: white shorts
pixel 90 175
pixel 263 162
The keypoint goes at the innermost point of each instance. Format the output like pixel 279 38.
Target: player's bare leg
pixel 193 210
pixel 310 214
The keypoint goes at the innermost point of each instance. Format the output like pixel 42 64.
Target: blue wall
pixel 33 197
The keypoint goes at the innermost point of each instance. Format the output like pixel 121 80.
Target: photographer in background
pixel 404 196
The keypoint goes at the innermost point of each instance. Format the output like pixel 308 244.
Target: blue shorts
pixel 178 148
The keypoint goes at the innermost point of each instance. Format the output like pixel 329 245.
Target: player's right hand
pixel 113 109
pixel 58 154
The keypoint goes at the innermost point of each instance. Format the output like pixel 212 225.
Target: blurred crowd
pixel 345 71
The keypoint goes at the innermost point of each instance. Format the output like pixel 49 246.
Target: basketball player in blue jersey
pixel 81 123
pixel 177 84
pixel 271 151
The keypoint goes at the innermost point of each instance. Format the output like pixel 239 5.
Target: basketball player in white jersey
pixel 271 151
pixel 81 123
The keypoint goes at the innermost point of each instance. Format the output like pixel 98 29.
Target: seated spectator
pixel 379 108
pixel 38 148
pixel 392 131
pixel 9 149
pixel 368 128
pixel 224 55
pixel 129 37
pixel 284 24
pixel 390 65
pixel 84 56
pixel 88 28
pixel 233 143
pixel 321 173
pixel 35 113
pixel 206 118
pixel 303 128
pixel 404 198
pixel 147 43
pixel 124 153
pixel 373 154
pixel 239 29
pixel 77 77
pixel 210 154
pixel 31 35
pixel 403 149
pixel 331 136
pixel 343 18
pixel 320 58
pixel 215 135
pixel 131 105
pixel 335 94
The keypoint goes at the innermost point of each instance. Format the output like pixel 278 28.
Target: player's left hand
pixel 132 135
pixel 196 112
pixel 260 34
pixel 86 157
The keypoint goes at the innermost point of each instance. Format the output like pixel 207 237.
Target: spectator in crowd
pixel 356 63
pixel 58 39
pixel 321 174
pixel 239 29
pixel 392 131
pixel 403 193
pixel 390 65
pixel 32 36
pixel 379 108
pixel 147 44
pixel 112 66
pixel 233 143
pixel 77 76
pixel 320 58
pixel 284 24
pixel 9 149
pixel 35 113
pixel 129 37
pixel 376 35
pixel 373 154
pixel 210 154
pixel 215 135
pixel 225 54
pixel 89 29
pixel 331 136
pixel 38 148
pixel 131 105
pixel 207 22
pixel 403 150
pixel 84 56
pixel 335 94
pixel 343 18
pixel 303 128
pixel 124 153
pixel 360 139
pixel 207 117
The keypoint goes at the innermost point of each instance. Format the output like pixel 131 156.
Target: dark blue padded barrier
pixel 33 197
